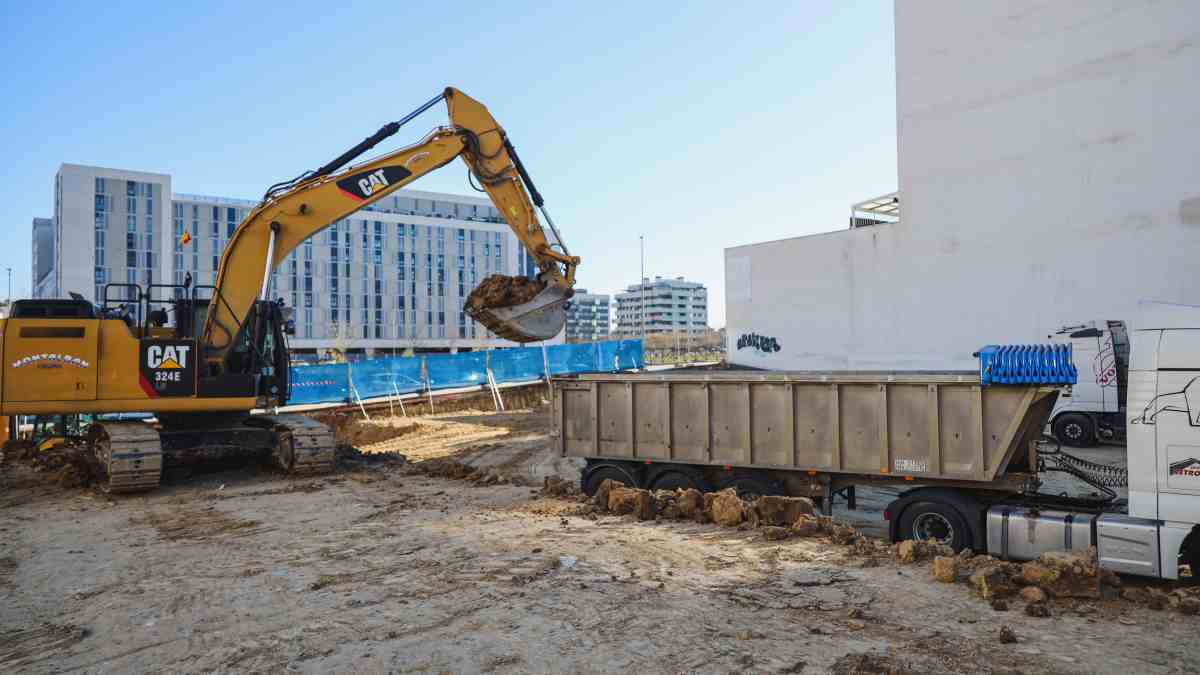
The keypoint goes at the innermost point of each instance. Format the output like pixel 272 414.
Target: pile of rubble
pixel 446 467
pixel 1037 583
pixel 69 464
pixel 501 291
pixel 778 517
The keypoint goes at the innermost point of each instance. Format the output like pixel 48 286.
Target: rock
pixel 842 534
pixel 993 581
pixel 1007 636
pixel 690 503
pixel 600 498
pixel 1033 594
pixel 945 569
pixel 909 551
pixel 782 511
pixel 776 533
pixel 639 503
pixel 726 508
pixel 1156 599
pixel 806 526
pixel 557 487
pixel 1134 594
pixel 1038 609
pixel 1065 574
pixel 1189 606
pixel 999 605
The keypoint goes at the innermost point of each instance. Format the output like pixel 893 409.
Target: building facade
pixel 588 317
pixel 1042 183
pixel 672 306
pixel 393 276
pixel 42 265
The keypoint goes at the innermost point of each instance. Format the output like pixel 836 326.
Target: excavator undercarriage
pixel 133 456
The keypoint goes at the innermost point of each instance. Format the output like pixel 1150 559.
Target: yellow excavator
pixel 200 358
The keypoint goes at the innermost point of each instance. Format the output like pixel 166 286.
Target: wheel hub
pixel 933 527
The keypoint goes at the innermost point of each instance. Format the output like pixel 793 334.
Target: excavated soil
pixel 501 291
pixel 389 567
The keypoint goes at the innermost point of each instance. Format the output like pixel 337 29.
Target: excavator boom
pixel 296 210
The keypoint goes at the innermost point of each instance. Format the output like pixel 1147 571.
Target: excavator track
pixel 303 445
pixel 128 454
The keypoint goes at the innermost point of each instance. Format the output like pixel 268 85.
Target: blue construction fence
pixel 393 376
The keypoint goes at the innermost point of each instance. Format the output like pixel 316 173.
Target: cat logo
pixel 167 356
pixel 375 179
pixel 361 186
pixel 167 367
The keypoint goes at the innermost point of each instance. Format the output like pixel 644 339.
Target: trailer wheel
pixel 594 477
pixel 935 522
pixel 750 488
pixel 677 478
pixel 1075 430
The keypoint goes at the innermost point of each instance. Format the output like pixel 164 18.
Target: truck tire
pixel 936 522
pixel 679 477
pixel 1075 430
pixel 593 477
pixel 751 487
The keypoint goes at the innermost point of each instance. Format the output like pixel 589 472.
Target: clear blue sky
pixel 701 125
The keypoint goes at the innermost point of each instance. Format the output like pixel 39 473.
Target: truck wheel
pixel 679 478
pixel 1075 430
pixel 935 522
pixel 592 479
pixel 751 487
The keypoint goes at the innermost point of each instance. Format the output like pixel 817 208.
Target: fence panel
pixel 516 365
pixel 620 355
pixel 318 384
pixel 387 376
pixel 448 371
pixel 568 359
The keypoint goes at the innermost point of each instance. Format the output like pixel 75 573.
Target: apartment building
pixel 43 254
pixel 662 306
pixel 391 276
pixel 588 317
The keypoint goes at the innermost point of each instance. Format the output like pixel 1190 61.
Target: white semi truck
pixel 1093 409
pixel 973 453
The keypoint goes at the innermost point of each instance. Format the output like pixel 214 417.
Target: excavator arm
pixel 296 210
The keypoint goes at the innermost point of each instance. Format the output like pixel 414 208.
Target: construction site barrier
pixel 393 376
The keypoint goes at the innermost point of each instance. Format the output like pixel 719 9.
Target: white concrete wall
pixel 1049 174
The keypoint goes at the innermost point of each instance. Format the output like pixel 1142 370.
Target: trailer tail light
pixel 887 515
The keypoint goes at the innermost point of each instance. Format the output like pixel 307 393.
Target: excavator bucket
pixel 519 309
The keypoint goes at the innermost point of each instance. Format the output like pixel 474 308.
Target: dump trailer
pixel 968 443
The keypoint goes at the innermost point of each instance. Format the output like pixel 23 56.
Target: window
pixel 99 203
pixel 101 188
pixel 131 204
pixel 130 189
pixel 229 228
pixel 216 213
pixel 215 230
pixel 216 262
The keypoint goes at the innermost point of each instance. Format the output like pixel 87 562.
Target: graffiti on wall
pixel 764 344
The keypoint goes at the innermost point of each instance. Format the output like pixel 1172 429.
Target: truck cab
pixel 1093 408
pixel 1163 421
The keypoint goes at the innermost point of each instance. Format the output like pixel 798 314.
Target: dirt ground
pixel 384 569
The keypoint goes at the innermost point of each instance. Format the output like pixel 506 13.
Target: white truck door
pixel 1175 414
